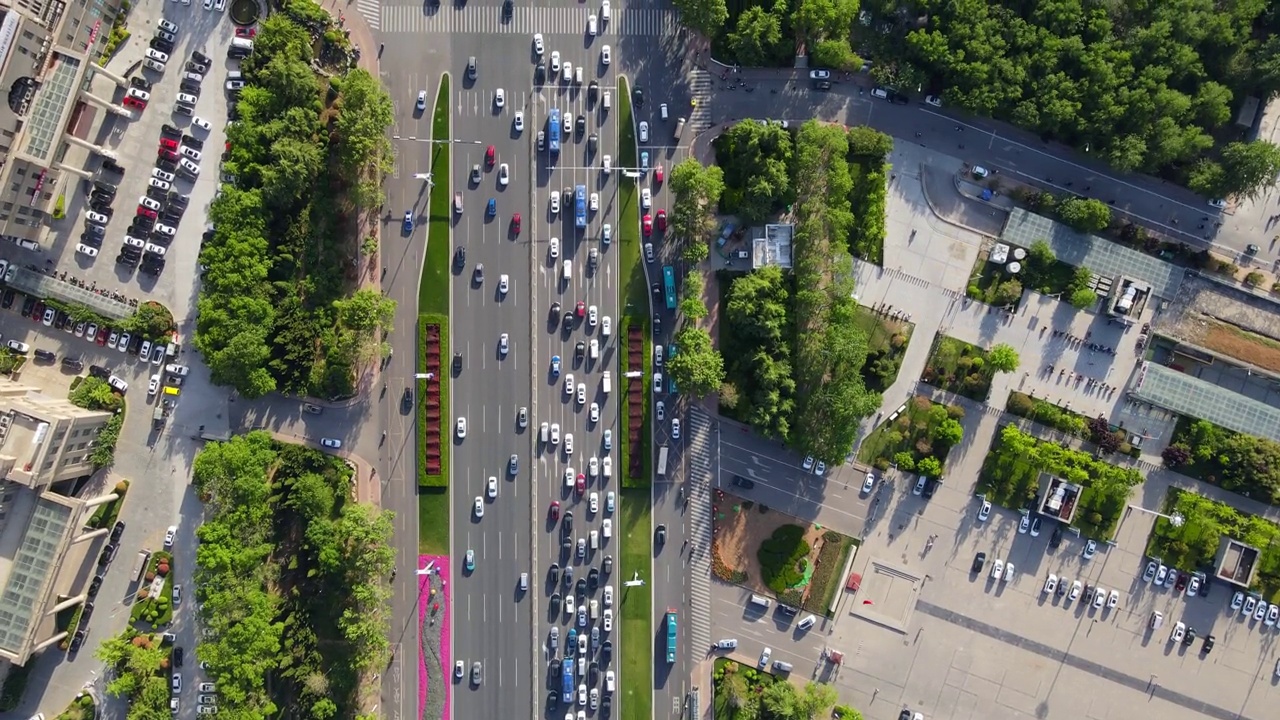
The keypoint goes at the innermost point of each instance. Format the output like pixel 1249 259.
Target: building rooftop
pixel 1194 397
pixel 774 248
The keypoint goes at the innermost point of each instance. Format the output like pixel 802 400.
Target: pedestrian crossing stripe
pixel 549 21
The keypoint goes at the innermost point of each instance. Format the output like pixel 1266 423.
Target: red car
pixel 168 144
pixel 168 155
pixel 646 224
pixel 515 223
pixel 246 32
pixel 37 313
pixel 102 335
pixel 555 510
pixel 582 483
pixel 489 155
pixel 662 221
pixel 147 212
pixel 134 102
pixel 581 308
pixel 657 175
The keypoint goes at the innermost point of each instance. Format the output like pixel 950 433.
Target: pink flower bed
pixel 439 579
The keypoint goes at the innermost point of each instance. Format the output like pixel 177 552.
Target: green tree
pixel 756 158
pixel 692 308
pixel 95 394
pixel 366 114
pixel 1003 358
pixel 707 17
pixel 1250 168
pixel 697 368
pixel 152 320
pixel 779 700
pixel 1083 298
pixel 697 190
pixel 929 467
pixel 757 36
pixel 819 19
pixel 846 712
pixel 835 53
pixel 948 432
pixel 816 700
pixel 1086 215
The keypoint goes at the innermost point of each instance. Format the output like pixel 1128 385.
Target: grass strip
pixel 433 293
pixel 633 291
pixel 636 681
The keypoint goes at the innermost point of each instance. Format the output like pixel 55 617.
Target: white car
pixel 1050 583
pixel 608 593
pixel 608 620
pixel 504 283
pixel 96 218
pixel 607 464
pixel 462 428
pixel 593 25
pixel 333 443
pixel 1161 574
pixel 191 152
pixel 1009 570
pixel 142 95
pixel 568 443
pixel 608 439
pixel 568 384
pixel 997 569
pixel 609 500
pixel 422 100
pixel 1099 597
pixel 555 433
pixel 153 385
pixel 593 316
pixel 606 164
pixel 606 55
pixel 606 233
pixel 1237 600
pixel 1113 599
pixel 582 393
pixel 159 184
pixel 554 247
pixel 504 343
pixel 1193 586
pixel 869 484
pixel 1179 631
pixel 646 199
pixel 1260 613
pixel 159 174
pixel 479 506
pixel 660 410
pixel 157 55
pixel 675 428
pixel 166 229
pixel 985 511
pixel 555 204
pixel 19 346
pixel 644 131
pixel 568 117
pixel 1273 614
pixel 593 468
pixel 149 203
pixel 933 100
pixel 1150 573
pixel 1250 602
pixel 555 61
pixel 86 250
pixel 500 97
pixel 492 487
pixel 595 412
pixel 201 123
pixel 595 202
pixel 504 174
pixel 593 501
pixel 519 121
pixel 134 242
pixel 538 47
pixel 606 325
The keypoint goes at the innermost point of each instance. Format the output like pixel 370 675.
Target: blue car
pixel 573 638
pixel 492 209
pixel 471 560
pixel 408 221
pixel 555 366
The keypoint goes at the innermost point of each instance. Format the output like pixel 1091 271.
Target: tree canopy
pixel 278 307
pixel 697 190
pixel 756 158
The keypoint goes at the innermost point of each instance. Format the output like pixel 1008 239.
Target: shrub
pixel 780 558
pixel 1253 279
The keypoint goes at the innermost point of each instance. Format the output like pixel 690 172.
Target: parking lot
pixel 970 645
pixel 158 265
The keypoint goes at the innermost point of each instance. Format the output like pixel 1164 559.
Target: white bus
pixel 662 460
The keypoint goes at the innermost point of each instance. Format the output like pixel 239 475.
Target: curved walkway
pixel 434 617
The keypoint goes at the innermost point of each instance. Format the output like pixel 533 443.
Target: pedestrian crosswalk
pixel 454 20
pixel 371 11
pixel 700 454
pixel 700 87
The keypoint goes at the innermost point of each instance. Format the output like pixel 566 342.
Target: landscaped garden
pixel 917 440
pixel 1040 271
pixel 887 341
pixel 1096 430
pixel 1193 544
pixel 1241 463
pixel 743 692
pixel 964 369
pixel 770 551
pixel 154 604
pixel 1011 477
pixel 636 604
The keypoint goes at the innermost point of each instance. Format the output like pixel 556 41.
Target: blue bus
pixel 566 680
pixel 580 206
pixel 671 636
pixel 553 131
pixel 669 286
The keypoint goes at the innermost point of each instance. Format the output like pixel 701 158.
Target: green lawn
pixel 433 294
pixel 636 676
pixel 633 293
pixel 958 367
pixel 887 341
pixel 433 521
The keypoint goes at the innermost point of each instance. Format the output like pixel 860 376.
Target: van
pixel 235 75
pixel 604 13
pixel 546 433
pixel 662 111
pixel 782 666
pixel 172 350
pixel 577 75
pixel 582 666
pixel 244 44
pixel 595 610
pixel 595 539
pixel 1157 620
pixel 761 601
pixel 607 383
pixel 140 565
pixel 607 100
pixel 607 525
pixel 679 128
pixel 568 270
pixel 595 349
pixel 606 326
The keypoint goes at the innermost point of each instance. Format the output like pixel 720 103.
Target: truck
pixel 607 382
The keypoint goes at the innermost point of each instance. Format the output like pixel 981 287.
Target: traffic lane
pixel 734 617
pixel 978 141
pixel 840 506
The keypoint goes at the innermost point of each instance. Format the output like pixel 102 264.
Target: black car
pixel 166 165
pixel 581 125
pixel 555 603
pixel 9 296
pixel 540 72
pixel 507 8
pixel 638 96
pixel 657 326
pixel 113 167
pixel 46 356
pixel 91 240
pixel 566 524
pixel 743 483
pixel 1190 638
pixel 131 261
pixel 95 586
pixel 140 82
pixel 106 188
pixel 581 589
pixel 200 57
pixel 823 85
pixel 104 208
pixel 593 579
pixel 78 639
pixel 118 530
pixel 162 45
pixel 660 537
pixel 593 90
pixel 979 560
pixel 194 142
pixel 141 223
pixel 568 321
pixel 1208 644
pixel 929 487
pixel 1056 538
pixel 788 610
pixel 606 651
pixel 177 657
pixel 580 350
pixel 593 673
pixel 73 364
pixel 553 573
pixel 178 200
pixel 197 68
pixel 170 131
pixel 99 372
pixel 157 194
pixel 104 197
pixel 190 86
pixel 28 305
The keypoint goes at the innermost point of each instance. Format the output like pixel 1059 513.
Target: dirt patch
pixel 1240 344
pixel 739 527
